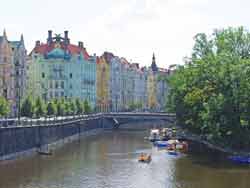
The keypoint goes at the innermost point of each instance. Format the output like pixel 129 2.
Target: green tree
pixel 72 106
pixel 67 107
pixel 27 108
pixel 60 107
pixel 51 108
pixel 39 107
pixel 87 107
pixel 210 94
pixel 79 107
pixel 4 107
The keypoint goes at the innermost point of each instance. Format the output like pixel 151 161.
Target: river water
pixel 109 160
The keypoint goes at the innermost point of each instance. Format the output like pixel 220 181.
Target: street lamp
pixel 17 66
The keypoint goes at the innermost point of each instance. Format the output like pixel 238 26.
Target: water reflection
pixel 110 160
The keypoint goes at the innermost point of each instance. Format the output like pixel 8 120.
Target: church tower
pixel 153 65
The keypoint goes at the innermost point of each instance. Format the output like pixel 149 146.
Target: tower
pixel 153 65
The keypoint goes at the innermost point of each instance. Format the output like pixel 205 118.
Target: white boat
pixel 154 135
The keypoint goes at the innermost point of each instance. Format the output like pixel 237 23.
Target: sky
pixel 133 29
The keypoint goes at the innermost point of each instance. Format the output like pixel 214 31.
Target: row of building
pixel 60 69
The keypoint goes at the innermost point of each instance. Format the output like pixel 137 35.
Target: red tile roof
pixel 73 49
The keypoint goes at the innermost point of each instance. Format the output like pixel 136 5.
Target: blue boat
pixel 161 144
pixel 240 159
pixel 175 153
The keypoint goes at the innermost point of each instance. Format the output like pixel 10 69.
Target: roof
pixel 71 48
pixel 108 56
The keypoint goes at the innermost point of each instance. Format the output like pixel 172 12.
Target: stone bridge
pixel 119 119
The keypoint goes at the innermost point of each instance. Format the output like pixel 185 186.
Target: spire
pixel 153 65
pixel 22 40
pixel 4 34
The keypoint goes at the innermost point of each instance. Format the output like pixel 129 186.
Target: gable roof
pixel 71 48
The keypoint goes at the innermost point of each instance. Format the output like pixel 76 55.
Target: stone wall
pixel 19 141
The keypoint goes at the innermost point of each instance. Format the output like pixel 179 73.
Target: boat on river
pixel 154 135
pixel 240 159
pixel 175 146
pixel 145 158
pixel 161 144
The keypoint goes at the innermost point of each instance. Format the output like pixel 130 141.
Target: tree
pixel 67 107
pixel 39 107
pixel 27 108
pixel 87 107
pixel 51 109
pixel 79 107
pixel 60 107
pixel 72 107
pixel 4 107
pixel 210 94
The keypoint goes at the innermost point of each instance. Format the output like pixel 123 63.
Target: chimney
pixel 66 37
pixel 49 40
pixel 80 44
pixel 38 43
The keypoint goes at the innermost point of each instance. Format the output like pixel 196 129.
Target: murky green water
pixel 110 161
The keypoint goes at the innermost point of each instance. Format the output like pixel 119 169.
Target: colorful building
pixel 12 71
pixel 59 69
pixel 103 84
pixel 157 87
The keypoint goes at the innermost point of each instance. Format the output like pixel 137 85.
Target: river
pixel 109 160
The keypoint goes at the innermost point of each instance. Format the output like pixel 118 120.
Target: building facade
pixel 103 80
pixel 59 69
pixel 157 87
pixel 12 71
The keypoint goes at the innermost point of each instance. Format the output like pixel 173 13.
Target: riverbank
pixel 183 133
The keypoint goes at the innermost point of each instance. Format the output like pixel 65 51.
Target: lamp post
pixel 17 66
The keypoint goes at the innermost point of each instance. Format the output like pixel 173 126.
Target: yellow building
pixel 152 85
pixel 102 84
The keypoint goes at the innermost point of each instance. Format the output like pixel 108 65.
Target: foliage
pixel 67 108
pixel 40 108
pixel 79 107
pixel 87 107
pixel 4 107
pixel 51 108
pixel 210 94
pixel 27 108
pixel 60 105
pixel 72 107
pixel 135 105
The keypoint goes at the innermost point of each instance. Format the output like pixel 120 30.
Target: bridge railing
pixel 59 120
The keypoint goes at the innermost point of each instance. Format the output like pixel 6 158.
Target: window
pixel 56 94
pixel 62 84
pixel 5 59
pixel 62 94
pixel 56 86
pixel 70 75
pixel 43 75
pixel 70 86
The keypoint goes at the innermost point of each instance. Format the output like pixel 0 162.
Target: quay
pixel 29 136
